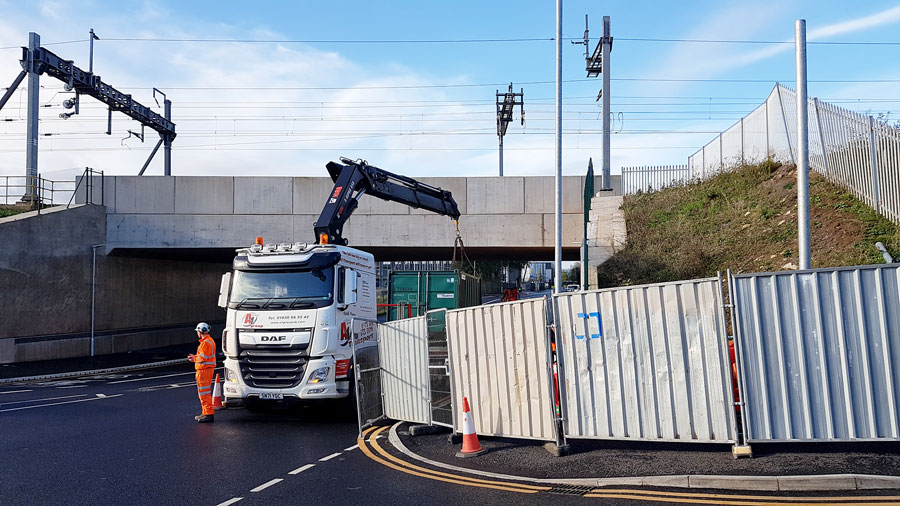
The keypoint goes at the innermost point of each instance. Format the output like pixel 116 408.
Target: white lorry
pixel 290 307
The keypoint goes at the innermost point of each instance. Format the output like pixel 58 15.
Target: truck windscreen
pixel 282 289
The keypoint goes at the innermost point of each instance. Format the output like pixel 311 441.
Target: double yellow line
pixel 380 455
pixel 393 462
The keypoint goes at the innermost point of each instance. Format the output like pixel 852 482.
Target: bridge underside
pixel 382 254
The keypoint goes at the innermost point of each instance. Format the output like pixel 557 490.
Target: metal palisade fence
pixel 852 150
pixel 642 179
pixel 646 363
pixel 819 353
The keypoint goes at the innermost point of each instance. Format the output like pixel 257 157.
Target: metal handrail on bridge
pixel 16 190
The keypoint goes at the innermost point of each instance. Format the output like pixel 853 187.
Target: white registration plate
pixel 271 396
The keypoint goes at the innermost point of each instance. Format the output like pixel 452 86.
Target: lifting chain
pixel 458 242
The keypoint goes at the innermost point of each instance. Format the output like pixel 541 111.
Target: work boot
pixel 197 417
pixel 205 419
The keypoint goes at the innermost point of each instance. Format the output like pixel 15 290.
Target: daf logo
pixel 270 339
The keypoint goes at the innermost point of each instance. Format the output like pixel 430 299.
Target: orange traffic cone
pixel 470 445
pixel 217 393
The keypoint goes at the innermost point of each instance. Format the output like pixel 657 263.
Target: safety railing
pixel 40 192
pixel 648 178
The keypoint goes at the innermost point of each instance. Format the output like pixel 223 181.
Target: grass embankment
pixel 745 220
pixel 9 211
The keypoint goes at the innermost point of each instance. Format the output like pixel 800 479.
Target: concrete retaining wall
pixel 45 287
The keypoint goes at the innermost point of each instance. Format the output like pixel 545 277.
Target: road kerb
pixel 802 483
pixel 712 481
pixel 876 481
pixel 93 372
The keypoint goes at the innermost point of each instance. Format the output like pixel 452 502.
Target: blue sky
pixel 427 109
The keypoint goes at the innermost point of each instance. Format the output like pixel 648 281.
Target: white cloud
pixel 254 128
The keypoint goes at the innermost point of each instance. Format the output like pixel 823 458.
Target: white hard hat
pixel 203 328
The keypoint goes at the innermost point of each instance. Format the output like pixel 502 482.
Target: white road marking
pixel 102 396
pixel 266 485
pixel 149 378
pixel 301 469
pixel 329 457
pixel 14 391
pixel 230 501
pixel 45 399
pixel 64 402
pixel 171 386
pixel 351 448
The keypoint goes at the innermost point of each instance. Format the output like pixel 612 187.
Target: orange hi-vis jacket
pixel 206 354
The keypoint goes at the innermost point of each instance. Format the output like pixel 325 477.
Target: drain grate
pixel 570 490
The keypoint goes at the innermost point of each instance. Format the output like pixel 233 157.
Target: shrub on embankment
pixel 745 220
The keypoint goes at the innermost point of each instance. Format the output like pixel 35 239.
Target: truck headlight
pixel 230 376
pixel 319 375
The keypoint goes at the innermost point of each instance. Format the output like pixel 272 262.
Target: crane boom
pixel 352 179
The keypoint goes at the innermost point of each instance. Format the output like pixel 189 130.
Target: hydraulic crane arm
pixel 352 179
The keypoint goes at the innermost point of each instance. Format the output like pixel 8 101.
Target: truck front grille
pixel 273 367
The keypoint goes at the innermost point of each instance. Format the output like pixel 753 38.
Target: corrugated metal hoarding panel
pixel 646 363
pixel 403 348
pixel 500 361
pixel 819 353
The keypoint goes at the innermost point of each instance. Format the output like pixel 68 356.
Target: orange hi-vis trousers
pixel 204 390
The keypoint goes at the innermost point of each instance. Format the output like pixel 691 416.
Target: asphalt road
pixel 131 439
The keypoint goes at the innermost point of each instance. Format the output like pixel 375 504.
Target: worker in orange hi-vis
pixel 204 363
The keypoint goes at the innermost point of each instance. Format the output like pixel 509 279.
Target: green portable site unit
pixel 416 292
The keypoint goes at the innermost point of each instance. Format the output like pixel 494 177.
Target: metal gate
pixel 403 350
pixel 439 377
pixel 646 363
pixel 367 372
pixel 403 372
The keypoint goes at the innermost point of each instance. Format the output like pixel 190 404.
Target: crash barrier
pixel 819 353
pixel 500 360
pixel 403 349
pixel 646 363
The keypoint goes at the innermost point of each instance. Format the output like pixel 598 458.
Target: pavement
pixel 594 461
pixel 99 362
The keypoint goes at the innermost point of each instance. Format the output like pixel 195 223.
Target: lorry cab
pixel 288 321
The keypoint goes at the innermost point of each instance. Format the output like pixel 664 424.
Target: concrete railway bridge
pixel 140 263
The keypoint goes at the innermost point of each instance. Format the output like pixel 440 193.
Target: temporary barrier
pixel 367 372
pixel 439 377
pixel 646 363
pixel 819 354
pixel 500 360
pixel 403 349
